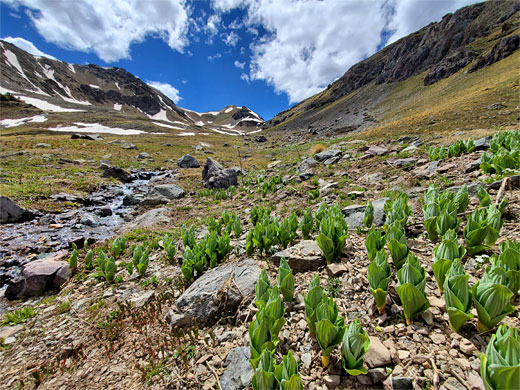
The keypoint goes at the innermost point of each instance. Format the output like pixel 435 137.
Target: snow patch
pixel 160 116
pixel 168 126
pixel 95 128
pixel 186 134
pixel 118 107
pixel 71 67
pixel 46 106
pixel 199 123
pixel 117 85
pixel 94 86
pixel 18 122
pixel 13 61
pixel 74 101
pixel 211 113
pixel 229 109
pixel 5 90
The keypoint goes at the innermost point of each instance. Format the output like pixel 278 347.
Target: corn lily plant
pixel 140 259
pixel 397 211
pixel 494 220
pixel 500 365
pixel 287 373
pixel 307 224
pixel 444 254
pixel 353 348
pixel 369 215
pixel 89 258
pixel 457 296
pixel 476 231
pixel 263 377
pixel 118 246
pixel 397 245
pixel 329 327
pixel 312 300
pixel 259 213
pixel 492 298
pixel 262 289
pixel 260 338
pixel 412 282
pixel 378 275
pixel 106 267
pixel 332 235
pixel 285 280
pixel 374 242
pixel 169 247
pixel 188 236
pixel 509 260
pixel 73 259
pixel 462 199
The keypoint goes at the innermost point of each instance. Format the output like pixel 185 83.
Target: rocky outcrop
pixel 215 175
pixel 302 257
pixel 39 276
pixel 188 161
pixel 355 214
pixel 502 49
pixel 117 173
pixel 10 212
pixel 162 194
pixel 218 292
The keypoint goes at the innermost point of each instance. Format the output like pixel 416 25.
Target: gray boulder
pixel 116 172
pixel 89 137
pixel 328 154
pixel 302 257
pixel 10 212
pixel 143 156
pixel 482 143
pixel 162 194
pixel 154 219
pixel 238 373
pixel 218 292
pixel 306 165
pixel 128 145
pixel 188 161
pixel 42 145
pixel 355 214
pixel 215 175
pixel 39 276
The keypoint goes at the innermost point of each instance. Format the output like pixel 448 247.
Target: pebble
pixel 332 381
pixel 438 338
pixel 403 354
pixel 467 347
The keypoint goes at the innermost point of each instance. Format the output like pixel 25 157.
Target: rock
pixel 10 331
pixel 143 156
pixel 356 194
pixel 260 138
pixel 483 143
pixel 306 358
pixel 142 299
pixel 467 347
pixel 162 194
pixel 402 383
pixel 373 376
pixel 42 145
pixel 132 199
pixel 274 164
pixel 475 382
pixel 372 178
pixel 473 166
pixel 377 355
pixel 375 150
pixel 355 214
pixel 89 137
pixel 328 154
pixel 117 173
pixel 405 162
pixel 302 257
pixel 412 149
pixel 215 176
pixel 453 384
pixel 128 145
pixel 151 220
pixel 39 276
pixel 188 161
pixel 336 269
pixel 433 166
pixel 105 211
pixel 214 294
pixel 89 220
pixel 495 106
pixel 403 354
pixel 306 175
pixel 10 212
pixel 306 165
pixel 332 381
pixel 438 338
pixel 238 373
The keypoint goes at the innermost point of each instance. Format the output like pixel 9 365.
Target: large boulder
pixel 215 175
pixel 302 257
pixel 38 277
pixel 218 292
pixel 328 154
pixel 238 374
pixel 10 212
pixel 355 214
pixel 117 173
pixel 155 219
pixel 188 161
pixel 162 194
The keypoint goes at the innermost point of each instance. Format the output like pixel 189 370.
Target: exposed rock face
pixel 355 214
pixel 215 175
pixel 10 212
pixel 117 173
pixel 217 292
pixel 502 49
pixel 39 276
pixel 163 193
pixel 152 219
pixel 328 154
pixel 238 373
pixel 188 161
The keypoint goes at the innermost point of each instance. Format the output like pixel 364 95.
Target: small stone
pixel 438 338
pixel 467 347
pixel 398 370
pixel 10 340
pixel 302 324
pixel 306 359
pixel 336 269
pixel 402 383
pixel 427 316
pixel 332 381
pixel 463 363
pixel 453 384
pixel 377 355
pixel 42 145
pixel 475 382
pixel 403 354
pixel 143 156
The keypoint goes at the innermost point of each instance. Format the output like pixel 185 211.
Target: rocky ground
pixel 156 332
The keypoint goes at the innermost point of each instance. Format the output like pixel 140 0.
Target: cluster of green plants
pixel 483 227
pixel 397 213
pixel 440 210
pixel 211 250
pixel 332 231
pixel 328 328
pixel 217 193
pixel 228 222
pixel 456 149
pixel 268 231
pixel 170 247
pixel 18 316
pixel 504 153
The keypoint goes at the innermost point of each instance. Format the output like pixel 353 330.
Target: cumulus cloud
pixel 168 89
pixel 28 46
pixel 215 57
pixel 108 28
pixel 239 64
pixel 231 39
pixel 311 43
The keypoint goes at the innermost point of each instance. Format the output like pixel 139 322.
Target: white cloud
pixel 231 39
pixel 168 89
pixel 108 28
pixel 245 77
pixel 212 24
pixel 28 46
pixel 311 43
pixel 215 57
pixel 239 64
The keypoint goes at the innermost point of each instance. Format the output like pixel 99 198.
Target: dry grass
pixel 317 149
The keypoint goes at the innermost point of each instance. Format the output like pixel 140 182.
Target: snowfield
pixel 95 128
pixel 6 123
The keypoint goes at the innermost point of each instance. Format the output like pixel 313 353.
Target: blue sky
pixel 264 54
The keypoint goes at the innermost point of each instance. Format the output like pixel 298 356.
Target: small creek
pixel 95 219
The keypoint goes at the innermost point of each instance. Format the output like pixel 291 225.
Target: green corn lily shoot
pixel 397 245
pixel 312 300
pixel 374 242
pixel 378 275
pixel 457 296
pixel 287 373
pixel 263 377
pixel 329 327
pixel 444 254
pixel 354 347
pixel 285 280
pixel 412 282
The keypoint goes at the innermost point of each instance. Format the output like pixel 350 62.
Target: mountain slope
pixel 56 86
pixel 466 42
